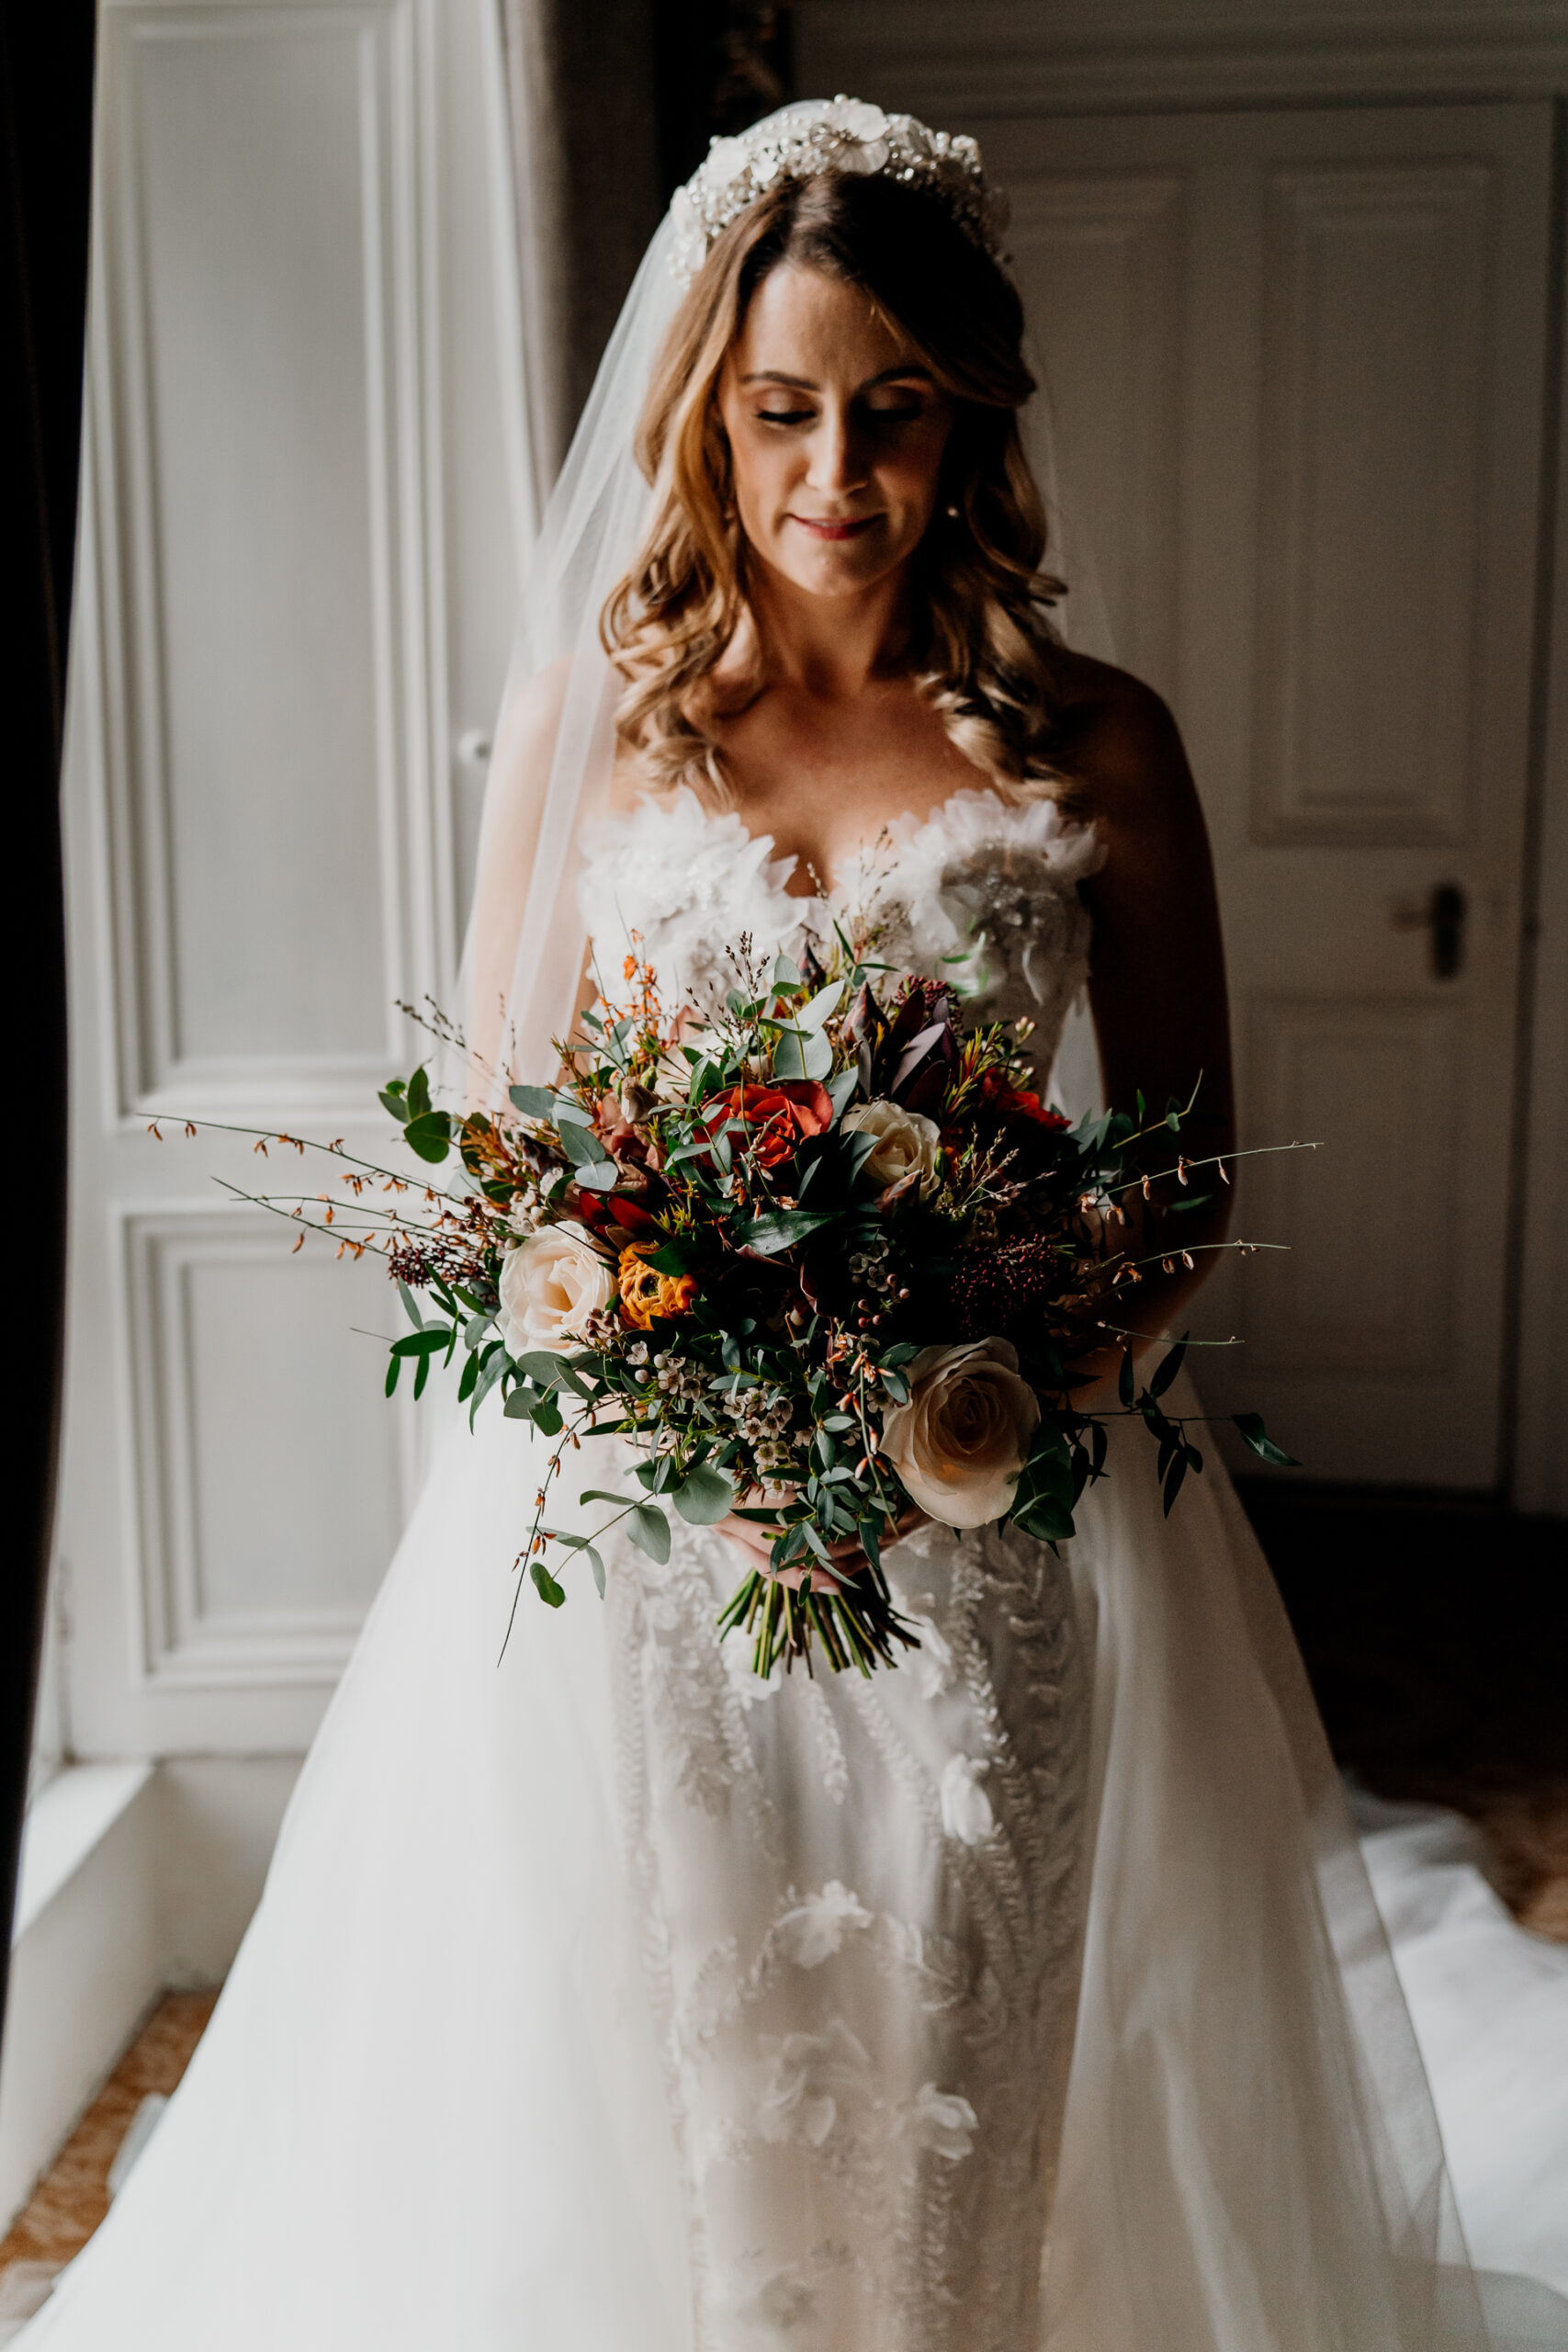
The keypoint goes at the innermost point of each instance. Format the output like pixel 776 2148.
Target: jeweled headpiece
pixel 829 135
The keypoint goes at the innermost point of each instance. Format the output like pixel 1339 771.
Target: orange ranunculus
pixel 778 1118
pixel 647 1296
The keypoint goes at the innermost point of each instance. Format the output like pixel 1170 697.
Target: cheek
pixel 760 473
pixel 912 476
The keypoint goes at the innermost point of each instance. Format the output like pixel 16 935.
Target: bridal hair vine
pixel 829 135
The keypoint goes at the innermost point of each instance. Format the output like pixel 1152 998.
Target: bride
pixel 1029 1997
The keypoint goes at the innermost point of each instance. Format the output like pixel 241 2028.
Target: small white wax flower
pixel 965 1808
pixel 908 1142
pixel 959 1444
pixel 550 1285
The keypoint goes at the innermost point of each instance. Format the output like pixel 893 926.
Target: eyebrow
pixel 805 384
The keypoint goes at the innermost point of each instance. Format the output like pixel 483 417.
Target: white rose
pixel 907 1142
pixel 550 1285
pixel 959 1443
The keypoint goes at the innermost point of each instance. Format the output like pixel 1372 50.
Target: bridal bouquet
pixel 826 1259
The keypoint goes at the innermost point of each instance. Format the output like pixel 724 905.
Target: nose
pixel 837 465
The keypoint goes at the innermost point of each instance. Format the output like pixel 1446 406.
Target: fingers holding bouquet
pixel 754 1533
pixel 824 1257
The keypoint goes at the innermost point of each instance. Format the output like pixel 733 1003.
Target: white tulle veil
pixel 538 799
pixel 1248 2092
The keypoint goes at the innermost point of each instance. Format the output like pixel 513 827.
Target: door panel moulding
pixel 961 68
pixel 327 108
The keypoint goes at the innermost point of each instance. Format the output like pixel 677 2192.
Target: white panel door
pixel 1297 364
pixel 296 596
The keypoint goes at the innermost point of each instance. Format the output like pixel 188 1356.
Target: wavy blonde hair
pixel 984 648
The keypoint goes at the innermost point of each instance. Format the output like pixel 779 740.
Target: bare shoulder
pixel 530 728
pixel 1119 743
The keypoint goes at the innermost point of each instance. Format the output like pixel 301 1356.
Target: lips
pixel 853 529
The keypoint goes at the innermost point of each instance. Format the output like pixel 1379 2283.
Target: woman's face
pixel 836 435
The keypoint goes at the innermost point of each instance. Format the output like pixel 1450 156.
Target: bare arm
pixel 1159 988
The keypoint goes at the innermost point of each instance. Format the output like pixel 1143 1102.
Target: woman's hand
pixel 754 1538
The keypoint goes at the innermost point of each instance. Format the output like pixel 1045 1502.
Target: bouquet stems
pixel 858 1626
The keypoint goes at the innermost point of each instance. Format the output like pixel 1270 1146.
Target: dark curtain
pixel 46 123
pixel 612 106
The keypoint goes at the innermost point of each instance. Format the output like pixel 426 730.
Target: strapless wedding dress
pixel 1029 1998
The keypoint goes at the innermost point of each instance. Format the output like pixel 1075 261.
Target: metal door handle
pixel 1442 913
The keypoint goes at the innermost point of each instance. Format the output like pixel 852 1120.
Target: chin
pixel 828 571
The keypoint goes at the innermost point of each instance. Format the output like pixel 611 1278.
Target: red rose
pixel 1014 1102
pixel 777 1118
pixel 611 1215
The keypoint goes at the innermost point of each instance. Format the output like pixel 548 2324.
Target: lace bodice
pixel 983 892
pixel 860 1901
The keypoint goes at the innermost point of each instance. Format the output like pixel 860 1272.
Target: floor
pixel 1436 1639
pixel 72 2197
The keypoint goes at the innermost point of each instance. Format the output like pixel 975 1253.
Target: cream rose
pixel 959 1443
pixel 907 1142
pixel 550 1285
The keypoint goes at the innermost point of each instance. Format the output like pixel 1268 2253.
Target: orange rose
pixel 647 1296
pixel 777 1118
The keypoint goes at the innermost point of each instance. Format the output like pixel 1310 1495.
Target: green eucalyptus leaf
pixel 534 1102
pixel 704 1497
pixel 582 1146
pixel 548 1587
pixel 841 1090
pixel 430 1134
pixel 781 1229
pixel 650 1530
pixel 491 1369
pixel 1169 1366
pixel 676 1256
pixel 789 1055
pixel 426 1342
pixel 816 1009
pixel 1262 1444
